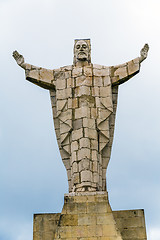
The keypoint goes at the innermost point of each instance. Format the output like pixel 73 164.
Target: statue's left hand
pixel 144 52
pixel 19 58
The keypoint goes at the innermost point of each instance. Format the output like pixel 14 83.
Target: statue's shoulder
pixel 100 70
pixel 97 66
pixel 66 68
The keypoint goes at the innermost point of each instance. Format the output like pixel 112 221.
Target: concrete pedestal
pixel 87 216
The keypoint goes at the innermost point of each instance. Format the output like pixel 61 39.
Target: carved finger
pixel 146 47
pixel 16 54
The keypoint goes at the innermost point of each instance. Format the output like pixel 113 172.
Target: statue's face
pixel 81 50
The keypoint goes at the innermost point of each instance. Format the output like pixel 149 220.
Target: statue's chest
pixel 78 82
pixel 83 93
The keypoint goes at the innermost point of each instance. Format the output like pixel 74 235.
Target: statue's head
pixel 82 50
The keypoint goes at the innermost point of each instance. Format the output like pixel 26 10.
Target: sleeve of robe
pixel 40 76
pixel 122 73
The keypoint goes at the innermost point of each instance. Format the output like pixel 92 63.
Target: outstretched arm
pixel 124 72
pixel 39 76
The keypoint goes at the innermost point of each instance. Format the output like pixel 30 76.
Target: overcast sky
pixel 32 176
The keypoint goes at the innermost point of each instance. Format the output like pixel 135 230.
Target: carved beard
pixel 82 56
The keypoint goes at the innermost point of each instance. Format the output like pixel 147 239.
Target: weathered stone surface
pixel 84 101
pixel 77 134
pixel 89 216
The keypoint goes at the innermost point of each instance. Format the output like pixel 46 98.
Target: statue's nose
pixel 81 49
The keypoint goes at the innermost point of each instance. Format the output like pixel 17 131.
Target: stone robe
pixel 84 102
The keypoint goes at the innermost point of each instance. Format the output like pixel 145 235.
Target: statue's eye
pixel 84 46
pixel 78 46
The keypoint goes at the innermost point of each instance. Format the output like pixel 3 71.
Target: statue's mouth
pixel 82 53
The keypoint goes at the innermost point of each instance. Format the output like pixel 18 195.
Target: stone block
pixel 102 207
pixel 115 80
pixel 95 91
pixel 29 66
pixel 66 163
pixel 87 71
pixel 80 198
pixel 77 134
pixel 64 128
pixel 93 113
pixel 74 168
pixel 80 232
pixel 69 103
pixel 75 103
pixel 103 126
pixel 101 72
pixel 102 138
pixel 76 178
pixel 56 123
pixel 64 93
pixel 103 173
pixel 109 231
pixel 66 68
pixel 84 143
pixel 61 104
pixel 71 208
pixel 69 174
pixel 45 225
pixel 69 220
pixel 121 72
pixel 86 176
pixel 83 112
pixel 106 80
pixel 94 155
pixel 90 133
pixel 82 90
pixel 82 208
pixel 85 219
pixel 97 72
pixel 105 91
pixel 94 231
pixel 64 154
pixel 131 224
pixel 83 81
pixel 105 219
pixel 95 177
pixel 76 72
pixel 98 82
pixel 70 82
pixel 94 144
pixel 74 146
pixel 68 74
pixel 84 153
pixel 46 75
pixel 84 164
pixel 34 74
pixel 95 167
pixel 64 232
pixel 77 123
pixel 105 162
pixel 133 67
pixel 91 206
pixel 73 157
pixel 89 123
pixel 97 66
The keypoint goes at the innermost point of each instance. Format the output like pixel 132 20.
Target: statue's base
pixel 87 216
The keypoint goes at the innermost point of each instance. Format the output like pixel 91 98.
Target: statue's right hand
pixel 18 57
